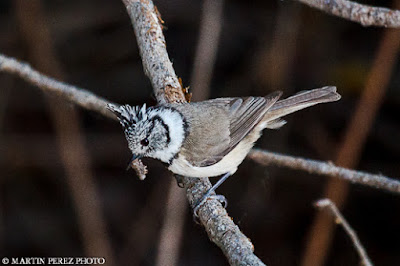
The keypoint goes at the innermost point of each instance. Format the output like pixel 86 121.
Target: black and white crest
pixel 156 132
pixel 129 116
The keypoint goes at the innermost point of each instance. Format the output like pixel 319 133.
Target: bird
pixel 209 138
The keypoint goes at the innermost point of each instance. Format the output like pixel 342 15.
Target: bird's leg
pixel 207 195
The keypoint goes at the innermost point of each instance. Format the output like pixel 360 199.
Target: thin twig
pixel 364 14
pixel 261 156
pixel 339 219
pixel 72 146
pixel 350 150
pixel 146 22
pixel 327 169
pixel 79 96
pixel 73 94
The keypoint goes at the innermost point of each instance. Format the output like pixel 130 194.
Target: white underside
pixel 228 164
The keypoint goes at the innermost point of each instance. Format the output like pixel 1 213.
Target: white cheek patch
pixel 176 127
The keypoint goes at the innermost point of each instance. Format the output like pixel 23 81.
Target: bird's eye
pixel 144 142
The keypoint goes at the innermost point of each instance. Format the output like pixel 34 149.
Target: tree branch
pixel 221 230
pixel 147 23
pixel 148 29
pixel 78 96
pixel 349 152
pixel 196 187
pixel 72 146
pixel 364 14
pixel 328 204
pixel 75 95
pixel 90 101
pixel 175 209
pixel 327 169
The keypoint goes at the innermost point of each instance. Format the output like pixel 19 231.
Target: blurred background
pixel 64 190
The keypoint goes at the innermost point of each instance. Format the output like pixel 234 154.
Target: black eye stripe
pixel 159 119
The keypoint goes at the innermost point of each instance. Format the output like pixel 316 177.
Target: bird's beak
pixel 134 157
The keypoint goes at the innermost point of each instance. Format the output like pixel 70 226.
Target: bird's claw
pixel 220 198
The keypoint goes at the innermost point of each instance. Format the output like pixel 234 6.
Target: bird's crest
pixel 128 116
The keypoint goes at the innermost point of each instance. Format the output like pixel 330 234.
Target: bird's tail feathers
pixel 297 102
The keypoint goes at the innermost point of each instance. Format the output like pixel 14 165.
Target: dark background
pixel 94 44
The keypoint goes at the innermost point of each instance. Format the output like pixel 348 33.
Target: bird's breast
pixel 228 164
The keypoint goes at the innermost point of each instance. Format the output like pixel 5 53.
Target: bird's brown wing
pixel 245 114
pixel 241 115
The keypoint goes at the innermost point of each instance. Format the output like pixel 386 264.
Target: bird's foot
pixel 220 198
